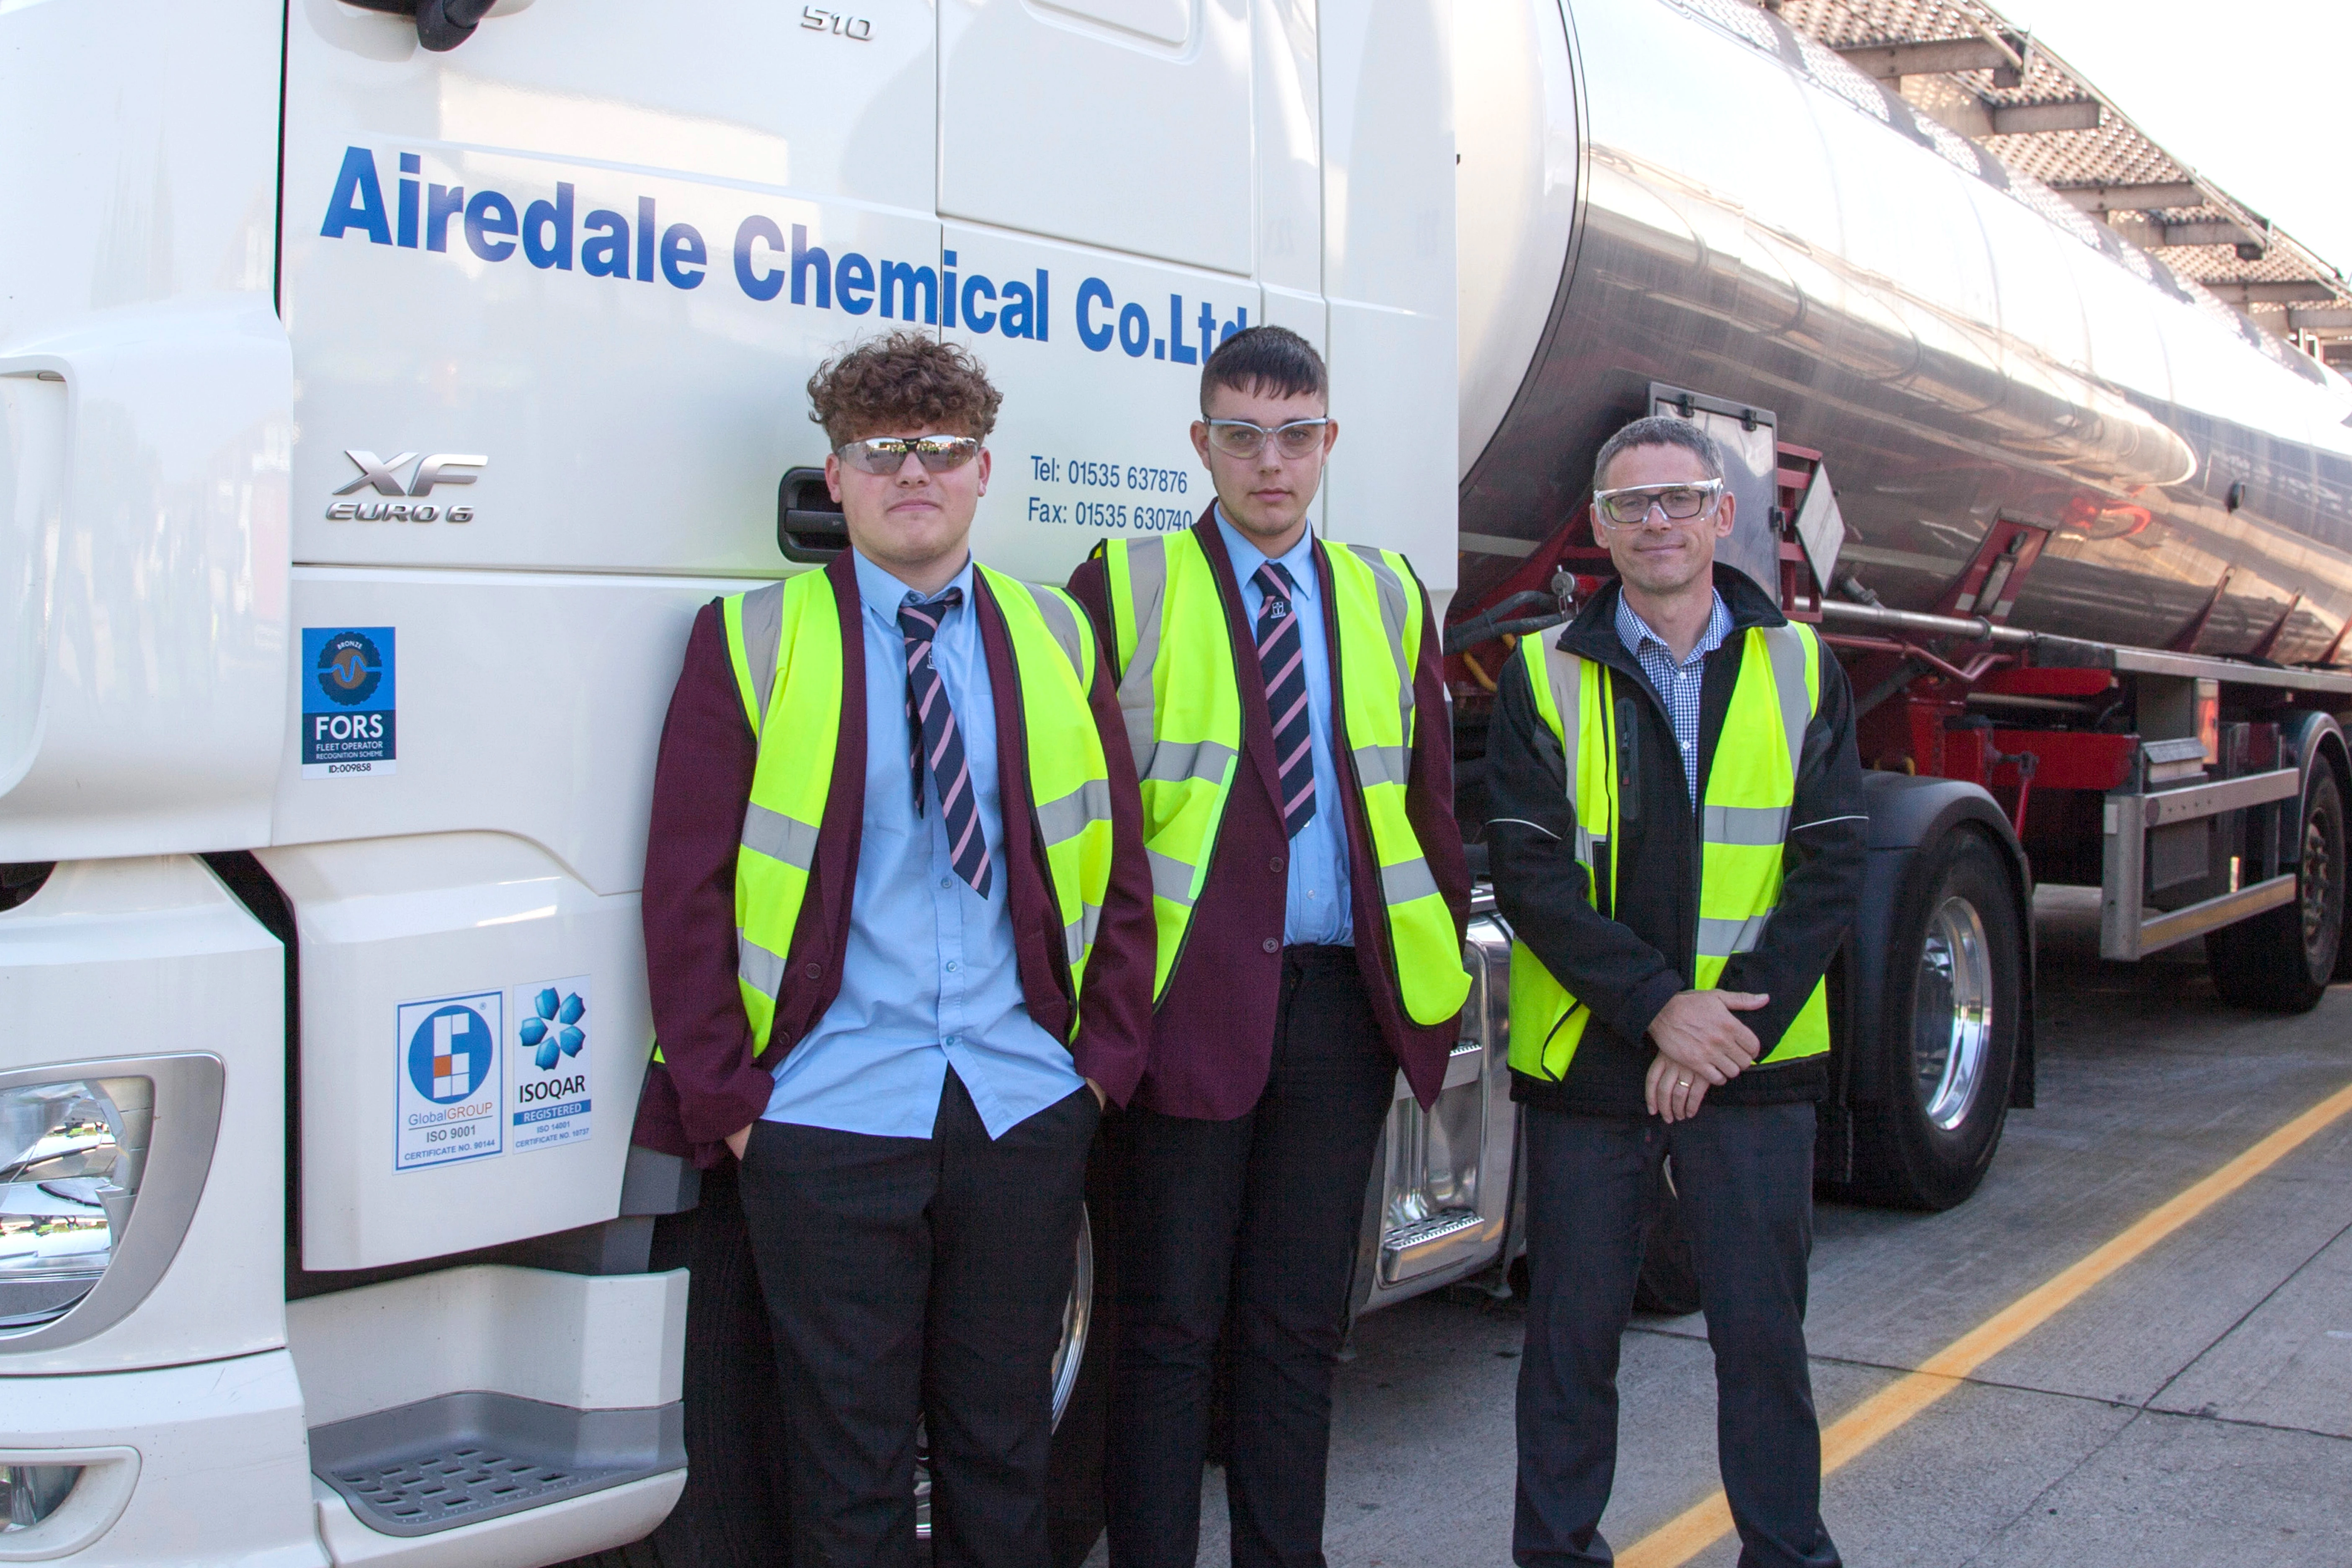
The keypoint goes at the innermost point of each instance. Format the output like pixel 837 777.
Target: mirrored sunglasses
pixel 887 454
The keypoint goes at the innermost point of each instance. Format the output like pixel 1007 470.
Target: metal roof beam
pixel 1932 56
pixel 2029 119
pixel 2134 198
pixel 2223 232
pixel 2244 294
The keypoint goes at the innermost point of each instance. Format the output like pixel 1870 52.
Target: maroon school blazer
pixel 710 1085
pixel 1212 1036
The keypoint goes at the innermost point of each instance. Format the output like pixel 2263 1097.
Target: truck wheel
pixel 1947 1037
pixel 2281 962
pixel 1668 1282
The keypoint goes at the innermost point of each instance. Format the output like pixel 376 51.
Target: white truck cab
pixel 373 422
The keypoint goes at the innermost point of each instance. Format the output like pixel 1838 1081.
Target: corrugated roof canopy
pixel 1963 63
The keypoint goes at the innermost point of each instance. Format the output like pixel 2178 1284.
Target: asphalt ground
pixel 2192 1408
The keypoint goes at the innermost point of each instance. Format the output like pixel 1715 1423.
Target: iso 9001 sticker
pixel 449 1060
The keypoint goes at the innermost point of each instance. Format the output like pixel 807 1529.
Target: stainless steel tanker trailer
pixel 2078 532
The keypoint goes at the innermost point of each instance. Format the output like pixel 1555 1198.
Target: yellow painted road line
pixel 1855 1433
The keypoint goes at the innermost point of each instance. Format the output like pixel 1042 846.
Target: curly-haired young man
pixel 899 934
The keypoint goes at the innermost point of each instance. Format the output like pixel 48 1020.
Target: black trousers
pixel 910 1277
pixel 1253 1221
pixel 1745 1176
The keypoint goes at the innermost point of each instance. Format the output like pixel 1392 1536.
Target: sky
pixel 2250 93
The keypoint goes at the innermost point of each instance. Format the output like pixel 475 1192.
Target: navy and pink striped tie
pixel 934 740
pixel 1282 657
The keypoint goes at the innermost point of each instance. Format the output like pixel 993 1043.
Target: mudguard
pixel 1907 813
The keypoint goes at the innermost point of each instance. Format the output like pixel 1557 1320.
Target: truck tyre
pixel 1948 1032
pixel 1668 1282
pixel 2281 962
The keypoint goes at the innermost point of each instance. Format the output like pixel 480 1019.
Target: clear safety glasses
pixel 1240 438
pixel 1628 506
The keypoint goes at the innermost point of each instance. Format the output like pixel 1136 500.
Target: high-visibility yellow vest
pixel 1184 722
pixel 1751 787
pixel 786 643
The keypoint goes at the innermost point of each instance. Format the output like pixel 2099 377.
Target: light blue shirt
pixel 928 979
pixel 1316 907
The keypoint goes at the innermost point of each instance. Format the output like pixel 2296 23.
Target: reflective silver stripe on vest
pixel 1174 762
pixel 1406 880
pixel 763 628
pixel 757 967
pixel 1746 824
pixel 1077 938
pixel 1171 878
pixel 1564 673
pixel 1381 765
pixel 1147 578
pixel 1395 605
pixel 1788 648
pixel 778 836
pixel 1726 939
pixel 1062 820
pixel 1063 623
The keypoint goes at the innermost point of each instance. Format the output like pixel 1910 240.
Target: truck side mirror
pixel 441 25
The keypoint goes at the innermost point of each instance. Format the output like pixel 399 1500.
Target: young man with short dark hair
pixel 1287 708
pixel 898 935
pixel 1677 837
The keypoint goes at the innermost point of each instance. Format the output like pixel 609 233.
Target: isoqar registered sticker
pixel 347 701
pixel 548 1098
pixel 447 1059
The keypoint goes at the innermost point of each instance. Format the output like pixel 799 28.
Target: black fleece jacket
pixel 1627 964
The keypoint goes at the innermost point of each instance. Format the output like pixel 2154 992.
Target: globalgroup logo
pixel 450 1054
pixel 450 1085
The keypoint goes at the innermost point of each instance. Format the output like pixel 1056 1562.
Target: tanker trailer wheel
pixel 1948 1036
pixel 2281 962
pixel 1668 1282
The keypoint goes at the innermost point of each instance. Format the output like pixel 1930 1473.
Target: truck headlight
pixel 71 1156
pixel 30 1493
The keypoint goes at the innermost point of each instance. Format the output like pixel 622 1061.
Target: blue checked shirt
pixel 1678 684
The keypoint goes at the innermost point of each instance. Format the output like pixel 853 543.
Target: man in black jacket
pixel 1656 1027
